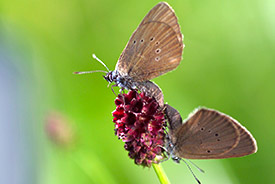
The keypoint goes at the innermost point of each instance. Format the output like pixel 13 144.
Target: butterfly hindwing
pixel 209 134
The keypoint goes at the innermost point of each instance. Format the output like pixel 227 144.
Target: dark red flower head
pixel 140 124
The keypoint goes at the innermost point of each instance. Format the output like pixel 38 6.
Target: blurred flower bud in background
pixel 59 129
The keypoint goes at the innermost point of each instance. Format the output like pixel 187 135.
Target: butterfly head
pixel 124 82
pixel 111 76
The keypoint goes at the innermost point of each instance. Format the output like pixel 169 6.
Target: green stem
pixel 161 174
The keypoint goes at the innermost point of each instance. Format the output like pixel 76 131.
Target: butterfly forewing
pixel 162 12
pixel 207 134
pixel 154 48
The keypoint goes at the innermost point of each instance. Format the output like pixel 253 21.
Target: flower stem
pixel 161 174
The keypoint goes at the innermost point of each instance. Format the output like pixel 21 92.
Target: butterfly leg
pixel 166 153
pixel 113 89
pixel 122 92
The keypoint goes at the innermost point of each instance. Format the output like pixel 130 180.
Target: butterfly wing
pixel 151 89
pixel 154 48
pixel 247 144
pixel 209 134
pixel 173 117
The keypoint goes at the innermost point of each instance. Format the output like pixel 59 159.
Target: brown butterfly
pixel 154 49
pixel 207 134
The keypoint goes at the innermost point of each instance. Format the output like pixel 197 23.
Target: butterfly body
pixel 124 82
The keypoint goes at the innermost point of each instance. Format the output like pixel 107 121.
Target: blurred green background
pixel 229 64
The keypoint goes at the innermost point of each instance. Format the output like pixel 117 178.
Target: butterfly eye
pixel 141 41
pixel 216 135
pixel 152 39
pixel 208 151
pixel 135 41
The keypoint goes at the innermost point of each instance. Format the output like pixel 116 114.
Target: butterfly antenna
pixel 201 170
pixel 192 172
pixel 90 72
pixel 96 58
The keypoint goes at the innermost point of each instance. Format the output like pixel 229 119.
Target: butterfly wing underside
pixel 151 89
pixel 209 134
pixel 154 48
pixel 173 117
